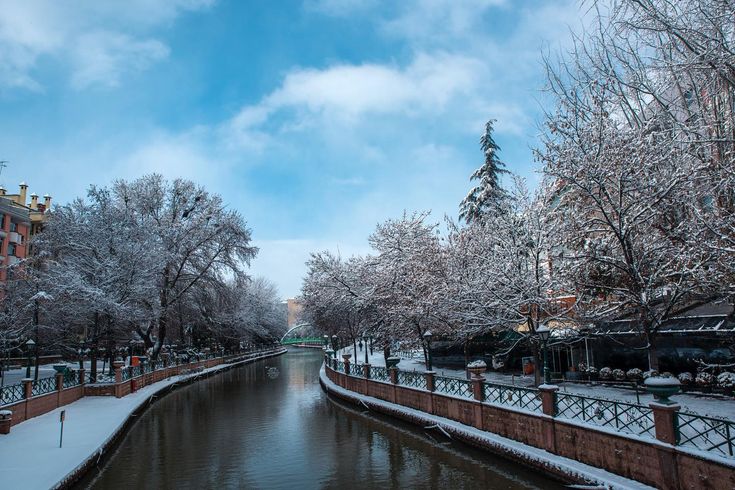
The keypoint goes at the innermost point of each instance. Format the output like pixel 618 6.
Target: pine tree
pixel 484 197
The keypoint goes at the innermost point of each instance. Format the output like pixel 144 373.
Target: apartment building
pixel 19 221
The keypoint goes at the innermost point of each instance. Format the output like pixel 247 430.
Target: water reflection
pixel 249 429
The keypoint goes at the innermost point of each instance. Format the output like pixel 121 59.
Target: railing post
pixel 366 370
pixel 59 381
pixel 80 373
pixel 117 366
pixel 429 375
pixel 548 399
pixel 393 374
pixel 477 390
pixel 27 388
pixel 347 367
pixel 665 421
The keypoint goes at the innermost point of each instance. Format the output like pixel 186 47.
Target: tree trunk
pixel 652 351
pixel 467 356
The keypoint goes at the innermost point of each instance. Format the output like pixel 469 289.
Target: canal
pixel 269 425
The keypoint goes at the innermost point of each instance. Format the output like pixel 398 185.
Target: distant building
pixel 295 308
pixel 19 221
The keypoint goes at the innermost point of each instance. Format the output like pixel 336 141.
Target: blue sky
pixel 316 119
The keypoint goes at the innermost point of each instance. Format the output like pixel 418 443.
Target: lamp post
pixel 365 339
pixel 427 338
pixel 326 342
pixel 371 344
pixel 334 343
pixel 29 346
pixel 543 334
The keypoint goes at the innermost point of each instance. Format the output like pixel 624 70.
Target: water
pixel 269 425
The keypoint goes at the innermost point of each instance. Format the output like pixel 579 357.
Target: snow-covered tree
pixel 197 237
pixel 485 196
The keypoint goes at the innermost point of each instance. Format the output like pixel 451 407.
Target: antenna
pixel 2 166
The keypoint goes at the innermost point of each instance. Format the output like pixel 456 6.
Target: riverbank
pixel 543 461
pixel 30 456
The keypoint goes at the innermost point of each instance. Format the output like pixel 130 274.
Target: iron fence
pixel 379 373
pixel 43 385
pixel 621 416
pixel 415 380
pixel 71 378
pixel 99 378
pixel 12 393
pixel 513 396
pixel 453 386
pixel 705 433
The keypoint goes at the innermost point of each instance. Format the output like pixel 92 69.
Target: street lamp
pixel 427 338
pixel 543 334
pixel 365 339
pixel 371 344
pixel 326 342
pixel 334 343
pixel 29 346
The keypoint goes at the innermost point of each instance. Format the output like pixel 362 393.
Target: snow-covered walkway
pixel 30 457
pixel 703 405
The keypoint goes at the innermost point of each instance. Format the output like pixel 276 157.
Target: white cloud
pixel 103 58
pixel 347 94
pixel 98 41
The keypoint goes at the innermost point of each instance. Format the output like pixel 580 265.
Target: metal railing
pixel 412 379
pixel 99 378
pixel 16 392
pixel 453 386
pixel 43 385
pixel 705 433
pixel 621 416
pixel 12 393
pixel 513 396
pixel 71 378
pixel 379 373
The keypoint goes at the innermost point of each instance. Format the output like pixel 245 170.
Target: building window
pixel 11 249
pixel 13 226
pixel 2 220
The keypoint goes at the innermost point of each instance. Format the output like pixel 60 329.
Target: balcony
pixel 12 260
pixel 16 237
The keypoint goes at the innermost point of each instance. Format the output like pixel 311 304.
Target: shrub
pixel 634 374
pixel 652 373
pixel 726 380
pixel 606 373
pixel 686 378
pixel 618 374
pixel 704 379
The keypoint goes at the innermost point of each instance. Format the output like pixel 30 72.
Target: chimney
pixel 34 201
pixel 2 190
pixel 23 192
pixel 46 202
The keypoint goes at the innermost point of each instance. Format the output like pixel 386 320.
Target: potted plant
pixel 662 388
pixel 61 367
pixel 346 357
pixel 477 368
pixel 392 361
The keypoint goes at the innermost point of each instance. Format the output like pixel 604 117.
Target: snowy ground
pixel 701 404
pixel 30 456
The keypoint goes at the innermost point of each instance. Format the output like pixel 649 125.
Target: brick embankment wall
pixel 648 461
